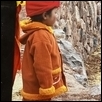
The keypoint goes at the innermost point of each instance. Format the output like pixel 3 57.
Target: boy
pixel 42 71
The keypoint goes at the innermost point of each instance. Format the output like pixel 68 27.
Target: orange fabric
pixel 17 44
pixel 41 57
pixel 38 7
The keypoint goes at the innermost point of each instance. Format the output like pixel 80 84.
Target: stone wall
pixel 81 21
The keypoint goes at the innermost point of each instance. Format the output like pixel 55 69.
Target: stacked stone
pixel 81 20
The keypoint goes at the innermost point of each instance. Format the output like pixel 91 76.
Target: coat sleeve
pixel 43 66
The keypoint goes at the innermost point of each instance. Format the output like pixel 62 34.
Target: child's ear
pixel 44 16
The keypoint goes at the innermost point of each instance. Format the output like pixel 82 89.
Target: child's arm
pixel 43 66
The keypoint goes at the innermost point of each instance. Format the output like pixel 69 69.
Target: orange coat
pixel 17 63
pixel 42 70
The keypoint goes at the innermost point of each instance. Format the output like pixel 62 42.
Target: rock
pixel 88 100
pixel 95 90
pixel 81 79
pixel 99 8
pixel 81 8
pixel 56 99
pixel 62 23
pixel 95 13
pixel 83 25
pixel 59 34
pixel 99 22
pixel 68 28
pixel 73 59
pixel 77 15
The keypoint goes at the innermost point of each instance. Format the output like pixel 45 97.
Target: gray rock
pixel 59 34
pixel 95 90
pixel 81 79
pixel 73 59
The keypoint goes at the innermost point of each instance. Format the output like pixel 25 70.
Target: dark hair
pixel 39 18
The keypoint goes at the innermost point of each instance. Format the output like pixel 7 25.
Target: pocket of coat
pixel 56 78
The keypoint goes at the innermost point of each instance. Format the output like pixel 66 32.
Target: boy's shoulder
pixel 42 34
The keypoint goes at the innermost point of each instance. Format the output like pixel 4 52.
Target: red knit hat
pixel 38 7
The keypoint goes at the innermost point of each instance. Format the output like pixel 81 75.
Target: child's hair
pixel 39 18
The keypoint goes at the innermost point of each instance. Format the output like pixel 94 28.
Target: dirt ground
pixel 93 65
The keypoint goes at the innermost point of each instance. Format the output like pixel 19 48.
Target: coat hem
pixel 58 91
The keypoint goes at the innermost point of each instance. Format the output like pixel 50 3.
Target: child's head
pixel 48 17
pixel 42 11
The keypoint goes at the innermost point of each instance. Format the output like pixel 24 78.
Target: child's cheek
pixel 54 17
